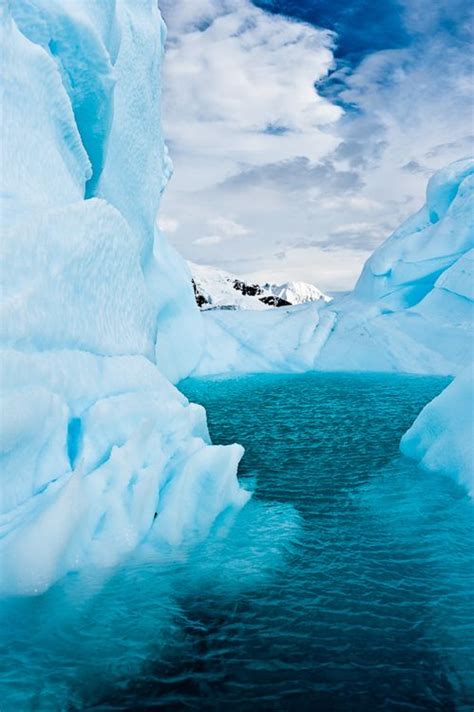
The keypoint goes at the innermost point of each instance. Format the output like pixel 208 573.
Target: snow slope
pixel 412 309
pixel 218 289
pixel 298 292
pixel 281 340
pixel 97 446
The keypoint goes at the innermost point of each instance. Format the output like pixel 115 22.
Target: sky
pixel 303 132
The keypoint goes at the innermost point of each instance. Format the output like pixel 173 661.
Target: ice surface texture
pixel 97 446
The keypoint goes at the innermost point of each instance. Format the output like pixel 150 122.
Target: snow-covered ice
pixel 97 446
pixel 298 292
pixel 283 340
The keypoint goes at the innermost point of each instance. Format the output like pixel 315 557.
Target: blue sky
pixel 302 133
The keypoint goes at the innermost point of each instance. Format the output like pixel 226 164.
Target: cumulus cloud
pixel 239 89
pixel 223 229
pixel 168 225
pixel 208 240
pixel 255 145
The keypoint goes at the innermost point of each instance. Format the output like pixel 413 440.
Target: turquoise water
pixel 345 584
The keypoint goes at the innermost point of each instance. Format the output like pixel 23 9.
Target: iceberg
pixel 442 437
pixel 284 340
pixel 98 316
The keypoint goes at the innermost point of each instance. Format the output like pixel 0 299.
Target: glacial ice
pixel 442 437
pixel 286 339
pixel 98 312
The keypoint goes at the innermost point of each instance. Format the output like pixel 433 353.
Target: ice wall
pixel 97 447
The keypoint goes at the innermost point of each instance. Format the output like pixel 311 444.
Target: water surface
pixel 345 584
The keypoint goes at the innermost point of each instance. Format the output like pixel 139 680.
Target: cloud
pixel 258 141
pixel 228 228
pixel 168 224
pixel 224 229
pixel 296 174
pixel 208 240
pixel 239 89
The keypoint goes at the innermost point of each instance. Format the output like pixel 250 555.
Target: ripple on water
pixel 344 584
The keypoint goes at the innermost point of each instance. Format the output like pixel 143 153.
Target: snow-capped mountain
pixel 298 292
pixel 217 289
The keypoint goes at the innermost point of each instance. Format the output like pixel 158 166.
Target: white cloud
pixel 241 91
pixel 254 146
pixel 224 229
pixel 228 228
pixel 168 224
pixel 208 240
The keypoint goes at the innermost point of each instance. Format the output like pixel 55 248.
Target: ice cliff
pixel 98 312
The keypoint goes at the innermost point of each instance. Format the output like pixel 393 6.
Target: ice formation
pixel 275 340
pixel 442 437
pixel 411 310
pixel 98 312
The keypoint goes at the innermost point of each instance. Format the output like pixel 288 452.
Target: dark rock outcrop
pixel 275 301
